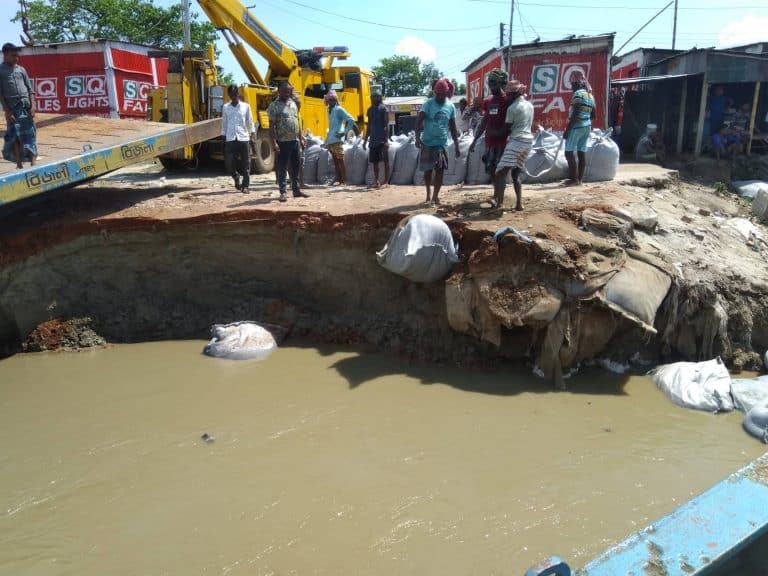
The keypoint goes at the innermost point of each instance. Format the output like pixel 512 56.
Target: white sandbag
pixel 696 385
pixel 240 341
pixel 405 162
pixel 476 173
pixel 391 155
pixel 356 162
pixel 457 167
pixel 421 249
pixel 326 170
pixel 760 205
pixel 546 162
pixel 749 392
pixel 311 157
pixel 602 157
pixel 756 422
pixel 749 188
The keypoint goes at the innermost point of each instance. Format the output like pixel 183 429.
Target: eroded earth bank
pixel 642 270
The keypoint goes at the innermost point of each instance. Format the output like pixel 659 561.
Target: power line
pixel 618 7
pixel 415 29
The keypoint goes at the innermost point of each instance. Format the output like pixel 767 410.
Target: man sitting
pixel 725 142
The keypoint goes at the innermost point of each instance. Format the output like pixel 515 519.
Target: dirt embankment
pixel 153 264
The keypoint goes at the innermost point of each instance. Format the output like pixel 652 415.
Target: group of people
pixel 729 131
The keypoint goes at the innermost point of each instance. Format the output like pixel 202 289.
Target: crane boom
pixel 235 20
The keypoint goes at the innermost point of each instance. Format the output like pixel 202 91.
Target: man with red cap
pixel 436 118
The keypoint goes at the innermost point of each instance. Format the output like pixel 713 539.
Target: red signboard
pixel 476 86
pixel 94 79
pixel 548 77
pixel 69 84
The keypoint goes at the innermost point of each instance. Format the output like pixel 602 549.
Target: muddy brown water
pixel 331 462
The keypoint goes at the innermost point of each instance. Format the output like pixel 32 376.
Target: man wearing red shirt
pixel 493 122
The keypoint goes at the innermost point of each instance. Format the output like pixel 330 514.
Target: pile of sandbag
pixel 476 173
pixel 602 157
pixel 311 157
pixel 420 249
pixel 406 160
pixel 708 386
pixel 356 161
pixel 546 162
pixel 457 167
pixel 240 341
pixel 394 146
pixel 326 169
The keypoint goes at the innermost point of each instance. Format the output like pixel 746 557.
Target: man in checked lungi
pixel 519 141
pixel 18 100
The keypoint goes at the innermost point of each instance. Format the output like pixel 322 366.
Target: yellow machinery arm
pixel 233 20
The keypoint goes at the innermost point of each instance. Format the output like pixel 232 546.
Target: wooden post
pixel 681 118
pixel 752 116
pixel 702 115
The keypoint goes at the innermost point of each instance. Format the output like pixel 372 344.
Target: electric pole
pixel 509 45
pixel 674 27
pixel 501 34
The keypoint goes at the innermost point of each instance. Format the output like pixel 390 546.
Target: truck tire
pixel 264 159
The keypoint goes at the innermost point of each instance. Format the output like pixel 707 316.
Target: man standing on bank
pixel 340 122
pixel 18 100
pixel 287 140
pixel 519 118
pixel 377 132
pixel 239 134
pixel 493 122
pixel 576 135
pixel 436 118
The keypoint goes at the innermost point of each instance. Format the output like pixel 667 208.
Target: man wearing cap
pixel 493 121
pixel 377 132
pixel 340 122
pixel 436 119
pixel 18 100
pixel 576 135
pixel 518 121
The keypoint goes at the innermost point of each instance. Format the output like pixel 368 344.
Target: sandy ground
pixel 694 221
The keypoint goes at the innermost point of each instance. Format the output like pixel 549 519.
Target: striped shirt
pixel 582 106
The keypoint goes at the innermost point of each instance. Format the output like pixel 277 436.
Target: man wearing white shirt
pixel 238 130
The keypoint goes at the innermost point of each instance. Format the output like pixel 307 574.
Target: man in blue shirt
pixel 576 135
pixel 436 118
pixel 340 122
pixel 377 131
pixel 718 104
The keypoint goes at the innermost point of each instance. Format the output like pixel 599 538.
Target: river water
pixel 331 462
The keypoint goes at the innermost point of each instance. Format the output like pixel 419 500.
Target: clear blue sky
pixel 473 25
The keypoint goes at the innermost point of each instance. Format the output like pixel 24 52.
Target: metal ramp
pixel 72 149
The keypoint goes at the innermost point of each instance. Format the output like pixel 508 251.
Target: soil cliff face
pixel 552 301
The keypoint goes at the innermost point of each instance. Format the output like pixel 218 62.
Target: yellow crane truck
pixel 193 93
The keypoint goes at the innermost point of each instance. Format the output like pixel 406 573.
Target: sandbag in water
pixel 696 385
pixel 240 341
pixel 756 422
pixel 420 249
pixel 749 392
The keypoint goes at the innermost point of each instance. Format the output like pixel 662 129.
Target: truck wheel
pixel 264 159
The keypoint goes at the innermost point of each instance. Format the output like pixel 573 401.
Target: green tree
pixel 460 88
pixel 406 75
pixel 138 21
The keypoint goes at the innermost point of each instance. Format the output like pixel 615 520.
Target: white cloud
pixel 412 46
pixel 749 29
